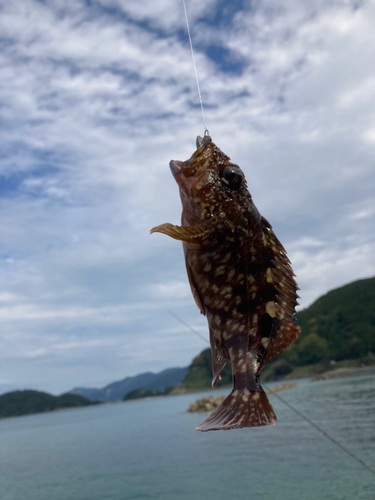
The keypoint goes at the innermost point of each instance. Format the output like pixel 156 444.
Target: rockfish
pixel 240 277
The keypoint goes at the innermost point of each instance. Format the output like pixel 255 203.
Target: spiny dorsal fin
pixel 280 274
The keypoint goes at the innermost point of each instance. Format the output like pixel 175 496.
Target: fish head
pixel 211 187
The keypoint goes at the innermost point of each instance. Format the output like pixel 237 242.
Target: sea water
pixel 148 449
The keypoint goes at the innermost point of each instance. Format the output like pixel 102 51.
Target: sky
pixel 97 96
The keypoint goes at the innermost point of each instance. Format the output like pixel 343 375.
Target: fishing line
pixel 346 450
pixel 297 412
pixel 188 326
pixel 195 70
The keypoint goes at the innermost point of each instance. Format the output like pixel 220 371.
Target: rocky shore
pixel 209 404
pixel 341 372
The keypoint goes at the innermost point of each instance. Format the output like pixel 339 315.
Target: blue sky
pixel 96 97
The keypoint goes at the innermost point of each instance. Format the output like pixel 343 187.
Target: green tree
pixel 313 349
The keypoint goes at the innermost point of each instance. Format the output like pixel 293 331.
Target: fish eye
pixel 231 176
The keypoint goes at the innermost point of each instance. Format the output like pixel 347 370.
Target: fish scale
pixel 240 278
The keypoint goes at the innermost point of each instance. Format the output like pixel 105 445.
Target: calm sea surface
pixel 148 449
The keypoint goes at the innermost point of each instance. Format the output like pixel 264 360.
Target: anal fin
pixel 282 335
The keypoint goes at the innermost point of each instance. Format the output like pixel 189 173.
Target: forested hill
pixel 18 403
pixel 338 326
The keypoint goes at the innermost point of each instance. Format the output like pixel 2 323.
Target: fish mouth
pixel 175 167
pixel 190 166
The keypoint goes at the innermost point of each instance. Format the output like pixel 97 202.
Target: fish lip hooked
pixel 190 166
pixel 175 167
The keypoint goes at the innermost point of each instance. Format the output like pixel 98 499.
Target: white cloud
pixel 306 242
pixel 171 289
pixel 369 135
pixel 330 268
pixel 96 100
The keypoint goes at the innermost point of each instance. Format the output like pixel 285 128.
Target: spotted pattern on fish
pixel 240 277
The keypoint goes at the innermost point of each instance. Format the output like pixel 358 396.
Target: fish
pixel 240 277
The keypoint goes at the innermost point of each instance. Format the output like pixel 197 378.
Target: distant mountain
pixel 167 378
pixel 338 326
pixel 18 403
pixel 148 381
pixel 146 393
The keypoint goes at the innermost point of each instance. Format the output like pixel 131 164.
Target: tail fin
pixel 242 408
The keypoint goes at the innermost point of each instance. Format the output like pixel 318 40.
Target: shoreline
pixel 301 372
pixel 315 376
pixel 341 372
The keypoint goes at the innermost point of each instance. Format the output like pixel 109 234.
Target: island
pixel 17 403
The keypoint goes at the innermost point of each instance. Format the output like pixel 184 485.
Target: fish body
pixel 240 277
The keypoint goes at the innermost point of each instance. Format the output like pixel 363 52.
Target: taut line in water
pixel 297 412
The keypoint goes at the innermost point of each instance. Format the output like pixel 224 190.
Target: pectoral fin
pixel 188 234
